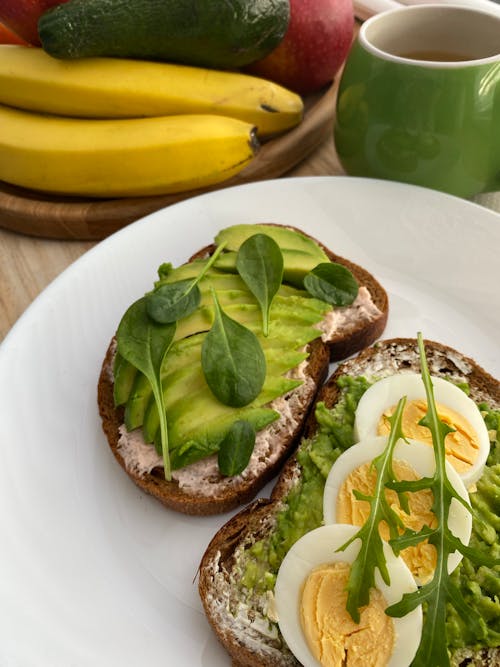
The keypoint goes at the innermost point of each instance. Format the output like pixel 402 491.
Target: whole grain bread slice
pixel 245 627
pixel 206 491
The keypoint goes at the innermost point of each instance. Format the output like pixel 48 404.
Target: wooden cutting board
pixel 46 216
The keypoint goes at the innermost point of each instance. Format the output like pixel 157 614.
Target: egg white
pixel 386 393
pixel 421 458
pixel 319 546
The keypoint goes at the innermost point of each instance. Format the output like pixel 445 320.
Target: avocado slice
pixel 287 239
pixel 124 375
pixel 292 327
pixel 184 385
pixel 208 436
pixel 197 421
pixel 137 402
pixel 300 254
pixel 296 264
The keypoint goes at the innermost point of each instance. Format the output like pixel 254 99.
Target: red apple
pixel 21 16
pixel 314 47
pixel 9 37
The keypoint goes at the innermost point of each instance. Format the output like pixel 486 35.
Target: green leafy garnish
pixel 440 590
pixel 260 263
pixel 144 344
pixel 172 301
pixel 371 553
pixel 236 448
pixel 232 360
pixel 333 283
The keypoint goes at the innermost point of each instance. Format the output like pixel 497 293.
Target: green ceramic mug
pixel 419 99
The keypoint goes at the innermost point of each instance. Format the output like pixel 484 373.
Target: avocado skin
pixel 213 33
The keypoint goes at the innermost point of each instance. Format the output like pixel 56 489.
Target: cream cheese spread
pixel 362 308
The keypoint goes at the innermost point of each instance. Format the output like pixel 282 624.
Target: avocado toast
pixel 304 334
pixel 238 571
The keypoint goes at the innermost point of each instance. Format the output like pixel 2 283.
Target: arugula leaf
pixel 260 263
pixel 333 283
pixel 439 591
pixel 236 448
pixel 232 360
pixel 371 553
pixel 144 344
pixel 172 301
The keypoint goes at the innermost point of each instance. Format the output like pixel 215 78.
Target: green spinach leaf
pixel 333 283
pixel 236 448
pixel 232 359
pixel 144 344
pixel 260 263
pixel 172 301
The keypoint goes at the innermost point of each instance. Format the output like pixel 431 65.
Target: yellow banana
pixel 115 88
pixel 123 157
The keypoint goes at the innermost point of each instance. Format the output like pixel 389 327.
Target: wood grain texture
pixel 46 216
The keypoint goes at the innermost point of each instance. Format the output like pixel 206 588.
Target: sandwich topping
pixel 200 477
pixel 462 446
pixel 221 341
pixel 311 593
pixel 333 637
pixel 420 558
pixel 338 319
pixel 467 444
pixel 141 458
pixel 258 563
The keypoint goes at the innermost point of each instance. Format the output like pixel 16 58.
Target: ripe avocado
pixel 287 239
pixel 209 436
pixel 297 262
pixel 184 384
pixel 197 421
pixel 136 402
pixel 291 327
pixel 213 33
pixel 124 375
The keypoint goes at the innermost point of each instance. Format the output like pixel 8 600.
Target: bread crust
pixel 255 520
pixel 359 332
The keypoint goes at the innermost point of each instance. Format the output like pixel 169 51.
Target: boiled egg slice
pixel 353 471
pixel 467 447
pixel 310 599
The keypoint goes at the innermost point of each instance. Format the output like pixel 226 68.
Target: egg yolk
pixel 421 558
pixel 462 446
pixel 333 637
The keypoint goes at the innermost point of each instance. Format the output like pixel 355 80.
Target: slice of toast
pixel 200 488
pixel 244 621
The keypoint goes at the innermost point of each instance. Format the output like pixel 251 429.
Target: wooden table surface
pixel 28 265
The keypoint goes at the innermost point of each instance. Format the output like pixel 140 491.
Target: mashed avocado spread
pixel 303 511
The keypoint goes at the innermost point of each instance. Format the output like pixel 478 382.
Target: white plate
pixel 93 572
